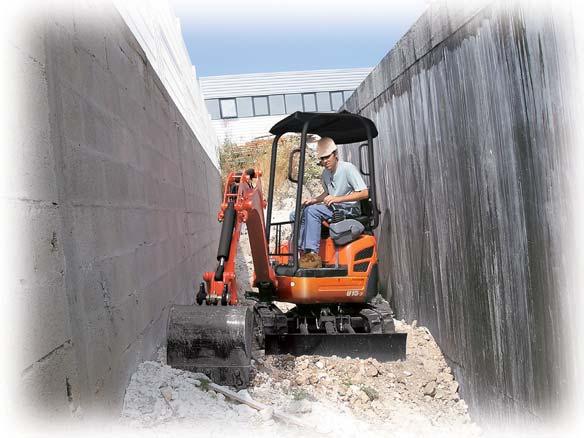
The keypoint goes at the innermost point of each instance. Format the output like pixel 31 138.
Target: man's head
pixel 326 150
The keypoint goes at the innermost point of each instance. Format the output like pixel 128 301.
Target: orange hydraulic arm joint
pixel 243 202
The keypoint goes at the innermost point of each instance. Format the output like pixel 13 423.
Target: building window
pixel 244 107
pixel 293 103
pixel 228 108
pixel 323 101
pixel 260 105
pixel 277 105
pixel 309 100
pixel 213 108
pixel 336 100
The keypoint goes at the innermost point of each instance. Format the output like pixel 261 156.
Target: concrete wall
pixel 474 168
pixel 110 207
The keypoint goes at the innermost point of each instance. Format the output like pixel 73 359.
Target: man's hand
pixel 330 199
pixel 309 201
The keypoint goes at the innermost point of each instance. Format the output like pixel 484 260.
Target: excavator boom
pixel 214 336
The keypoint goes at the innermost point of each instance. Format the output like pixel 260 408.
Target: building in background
pixel 244 107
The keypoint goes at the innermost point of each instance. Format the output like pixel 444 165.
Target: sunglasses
pixel 326 157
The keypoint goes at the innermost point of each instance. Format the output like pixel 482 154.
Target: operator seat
pixel 364 218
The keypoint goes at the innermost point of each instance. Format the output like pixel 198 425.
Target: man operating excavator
pixel 336 310
pixel 343 187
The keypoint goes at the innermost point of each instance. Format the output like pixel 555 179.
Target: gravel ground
pixel 332 395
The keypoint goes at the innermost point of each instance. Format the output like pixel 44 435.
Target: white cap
pixel 325 147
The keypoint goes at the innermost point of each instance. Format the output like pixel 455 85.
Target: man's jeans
pixel 312 217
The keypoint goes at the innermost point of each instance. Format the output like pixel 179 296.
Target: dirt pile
pixel 417 394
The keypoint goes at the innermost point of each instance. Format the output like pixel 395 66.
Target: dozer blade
pixel 381 346
pixel 215 340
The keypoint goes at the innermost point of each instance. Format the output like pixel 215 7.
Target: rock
pixel 445 377
pixel 301 380
pixel 245 411
pixel 244 394
pixel 407 373
pixel 461 405
pixel 414 323
pixel 319 365
pixel 266 414
pixel 364 397
pixel 371 370
pixel 166 393
pixel 430 389
pixel 357 378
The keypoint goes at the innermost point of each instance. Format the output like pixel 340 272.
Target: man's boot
pixel 310 260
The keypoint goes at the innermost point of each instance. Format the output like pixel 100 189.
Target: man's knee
pixel 312 210
pixel 317 211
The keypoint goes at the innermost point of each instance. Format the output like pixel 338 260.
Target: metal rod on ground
pixel 260 406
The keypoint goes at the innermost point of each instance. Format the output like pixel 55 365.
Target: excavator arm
pixel 243 203
pixel 217 340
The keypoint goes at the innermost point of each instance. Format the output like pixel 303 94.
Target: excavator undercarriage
pixel 358 331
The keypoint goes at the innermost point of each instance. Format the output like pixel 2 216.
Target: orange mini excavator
pixel 336 310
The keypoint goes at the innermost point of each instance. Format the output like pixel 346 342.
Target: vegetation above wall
pixel 257 154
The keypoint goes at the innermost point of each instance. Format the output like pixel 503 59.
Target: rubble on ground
pixel 419 393
pixel 415 397
pixel 336 395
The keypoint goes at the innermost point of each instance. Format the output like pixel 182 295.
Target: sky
pixel 255 36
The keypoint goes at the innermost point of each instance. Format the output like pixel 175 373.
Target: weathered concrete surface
pixel 111 202
pixel 475 119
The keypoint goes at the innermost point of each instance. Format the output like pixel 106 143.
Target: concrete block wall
pixel 475 172
pixel 112 201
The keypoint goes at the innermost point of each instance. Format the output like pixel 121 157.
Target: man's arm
pixel 353 196
pixel 319 198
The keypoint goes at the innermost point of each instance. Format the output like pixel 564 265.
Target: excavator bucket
pixel 214 340
pixel 381 346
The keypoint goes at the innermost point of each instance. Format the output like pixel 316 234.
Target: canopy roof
pixel 343 127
